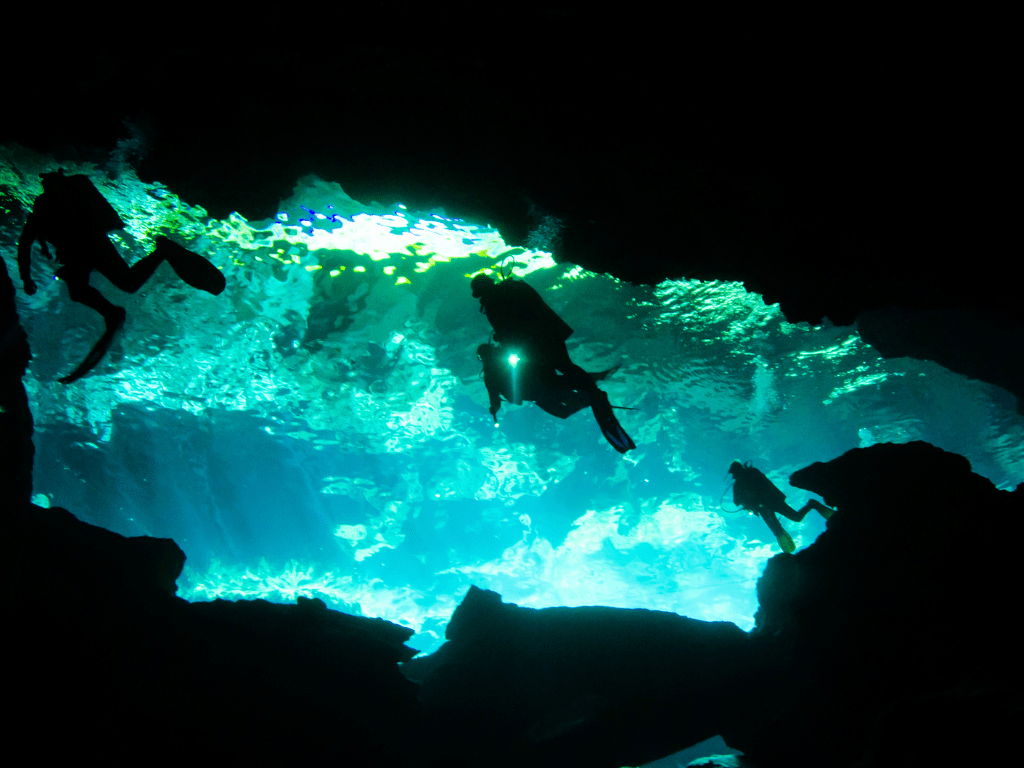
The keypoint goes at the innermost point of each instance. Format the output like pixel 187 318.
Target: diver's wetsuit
pixel 549 390
pixel 73 216
pixel 752 490
pixel 525 325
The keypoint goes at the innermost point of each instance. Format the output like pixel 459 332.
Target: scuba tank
pixel 71 207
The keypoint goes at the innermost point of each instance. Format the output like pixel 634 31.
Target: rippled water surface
pixel 321 429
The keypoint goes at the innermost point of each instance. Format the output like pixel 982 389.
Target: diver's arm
pixel 28 236
pixel 494 395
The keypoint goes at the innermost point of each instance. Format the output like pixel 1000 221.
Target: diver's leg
pixel 79 290
pixel 108 262
pixel 602 375
pixel 562 404
pixel 612 430
pixel 814 504
pixel 579 380
pixel 558 356
pixel 784 539
pixel 574 402
pixel 787 511
pixel 192 268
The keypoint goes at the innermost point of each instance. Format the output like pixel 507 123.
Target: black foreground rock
pixel 880 644
pixel 580 686
pixel 109 663
pixel 888 628
pixel 16 448
pixel 874 646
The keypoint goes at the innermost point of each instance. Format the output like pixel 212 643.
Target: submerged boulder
pixel 588 686
pixel 108 657
pixel 896 603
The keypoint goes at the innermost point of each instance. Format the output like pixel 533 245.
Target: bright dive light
pixel 513 360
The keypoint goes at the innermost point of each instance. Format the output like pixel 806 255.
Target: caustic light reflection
pixel 321 427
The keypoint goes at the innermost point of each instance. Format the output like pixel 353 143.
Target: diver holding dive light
pixel 530 330
pixel 515 379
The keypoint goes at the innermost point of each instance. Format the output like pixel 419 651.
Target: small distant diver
pixel 506 375
pixel 74 217
pixel 753 491
pixel 527 327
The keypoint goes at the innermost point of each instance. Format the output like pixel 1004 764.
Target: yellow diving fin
pixel 787 543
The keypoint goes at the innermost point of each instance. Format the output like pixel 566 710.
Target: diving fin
pixel 610 427
pixel 191 267
pixel 787 543
pixel 98 350
pixel 616 435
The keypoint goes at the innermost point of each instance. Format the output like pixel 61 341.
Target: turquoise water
pixel 321 429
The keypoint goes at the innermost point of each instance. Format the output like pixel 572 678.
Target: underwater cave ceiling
pixel 833 184
pixel 851 183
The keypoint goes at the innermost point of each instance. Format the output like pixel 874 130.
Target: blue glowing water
pixel 321 429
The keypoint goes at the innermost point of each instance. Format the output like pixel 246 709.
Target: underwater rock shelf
pixel 110 658
pixel 867 647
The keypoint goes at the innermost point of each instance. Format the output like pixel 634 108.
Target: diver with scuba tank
pixel 74 217
pixel 524 325
pixel 753 491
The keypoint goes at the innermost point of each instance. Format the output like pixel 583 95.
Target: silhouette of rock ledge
pixel 587 686
pixel 894 609
pixel 107 657
pixel 878 643
pixel 984 345
pixel 90 562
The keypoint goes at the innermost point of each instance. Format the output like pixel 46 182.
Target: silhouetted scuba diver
pixel 756 493
pixel 524 325
pixel 73 216
pixel 505 375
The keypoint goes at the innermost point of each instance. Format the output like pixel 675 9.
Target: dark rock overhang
pixel 849 182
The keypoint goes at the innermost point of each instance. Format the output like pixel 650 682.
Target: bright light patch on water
pixel 321 429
